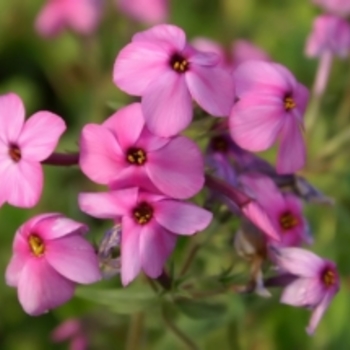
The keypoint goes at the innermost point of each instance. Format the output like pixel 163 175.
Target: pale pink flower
pixel 316 284
pixel 340 7
pixel 49 257
pixel 23 145
pixel 122 151
pixel 81 16
pixel 271 105
pixel 147 11
pixel 150 224
pixel 161 67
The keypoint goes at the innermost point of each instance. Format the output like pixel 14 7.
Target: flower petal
pixel 74 258
pixel 156 244
pixel 180 217
pixel 15 268
pixel 40 135
pixel 167 105
pixel 50 20
pixel 41 288
pixel 212 88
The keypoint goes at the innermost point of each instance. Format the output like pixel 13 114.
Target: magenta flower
pixel 126 156
pixel 147 11
pixel 50 257
pixel 162 68
pixel 81 16
pixel 23 145
pixel 150 224
pixel 340 7
pixel 270 106
pixel 316 284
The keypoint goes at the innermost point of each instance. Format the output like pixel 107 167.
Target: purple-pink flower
pixel 147 11
pixel 270 107
pixel 160 66
pixel 340 7
pixel 123 153
pixel 81 16
pixel 49 257
pixel 315 285
pixel 150 224
pixel 23 145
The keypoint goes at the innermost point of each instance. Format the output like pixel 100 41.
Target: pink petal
pixel 177 169
pixel 156 244
pixel 181 217
pixel 130 255
pixel 40 135
pixel 212 88
pixel 139 64
pixel 108 205
pixel 301 97
pixel 25 184
pixel 126 124
pixel 299 261
pixel 15 268
pixel 101 158
pixel 50 20
pixel 204 59
pixel 255 122
pixel 41 288
pixel 292 153
pixel 7 166
pixel 151 142
pixel 12 115
pixel 67 329
pixel 74 258
pixel 167 105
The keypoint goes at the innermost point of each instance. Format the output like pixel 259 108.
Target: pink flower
pixel 150 224
pixel 316 284
pixel 340 7
pixel 23 145
pixel 82 16
pixel 123 152
pixel 50 257
pixel 270 106
pixel 148 11
pixel 162 68
pixel 329 34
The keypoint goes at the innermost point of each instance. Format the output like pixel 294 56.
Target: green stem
pixel 194 250
pixel 135 332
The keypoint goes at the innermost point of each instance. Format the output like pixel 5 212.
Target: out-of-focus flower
pixel 161 67
pixel 49 257
pixel 316 284
pixel 23 146
pixel 270 106
pixel 340 7
pixel 81 16
pixel 72 330
pixel 147 11
pixel 150 224
pixel 129 156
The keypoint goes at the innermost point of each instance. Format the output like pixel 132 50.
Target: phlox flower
pixel 49 257
pixel 161 67
pixel 315 285
pixel 81 16
pixel 147 11
pixel 23 145
pixel 124 153
pixel 270 106
pixel 150 224
pixel 340 7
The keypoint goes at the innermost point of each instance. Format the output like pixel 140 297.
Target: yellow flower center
pixel 36 245
pixel 143 213
pixel 179 63
pixel 288 221
pixel 15 153
pixel 329 277
pixel 136 156
pixel 289 103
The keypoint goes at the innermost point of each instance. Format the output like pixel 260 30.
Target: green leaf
pixel 121 301
pixel 199 310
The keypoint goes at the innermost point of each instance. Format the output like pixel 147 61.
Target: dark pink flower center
pixel 15 153
pixel 288 221
pixel 289 103
pixel 329 277
pixel 143 213
pixel 36 245
pixel 178 63
pixel 219 144
pixel 136 156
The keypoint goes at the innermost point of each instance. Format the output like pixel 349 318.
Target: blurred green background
pixel 72 76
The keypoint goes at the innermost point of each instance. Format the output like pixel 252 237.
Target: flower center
pixel 219 144
pixel 329 277
pixel 179 63
pixel 143 213
pixel 136 156
pixel 36 245
pixel 288 221
pixel 15 153
pixel 289 103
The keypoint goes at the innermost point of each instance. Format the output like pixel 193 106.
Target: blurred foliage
pixel 72 76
